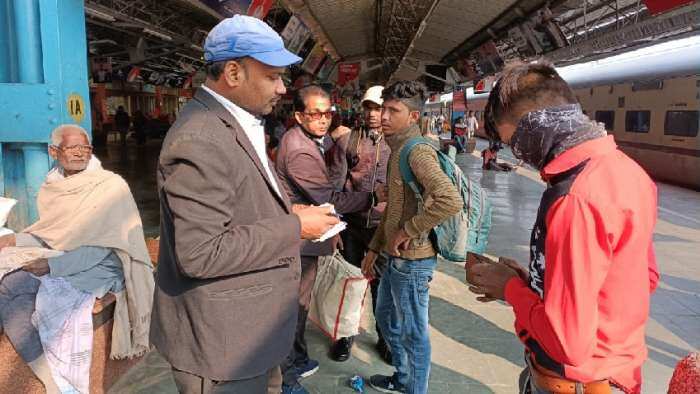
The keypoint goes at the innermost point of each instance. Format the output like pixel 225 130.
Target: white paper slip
pixel 327 204
pixel 332 232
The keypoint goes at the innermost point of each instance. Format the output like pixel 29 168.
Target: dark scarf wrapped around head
pixel 544 134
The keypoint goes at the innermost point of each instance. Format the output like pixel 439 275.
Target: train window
pixel 681 123
pixel 647 85
pixel 607 118
pixel 621 102
pixel 637 121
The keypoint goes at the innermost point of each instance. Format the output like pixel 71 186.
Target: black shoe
pixel 340 351
pixel 384 351
pixel 386 384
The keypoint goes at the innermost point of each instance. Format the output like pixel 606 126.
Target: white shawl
pixel 96 208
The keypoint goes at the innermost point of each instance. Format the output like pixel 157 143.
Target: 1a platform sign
pixel 76 107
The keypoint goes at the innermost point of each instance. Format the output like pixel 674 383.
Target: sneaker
pixel 386 384
pixel 295 389
pixel 308 368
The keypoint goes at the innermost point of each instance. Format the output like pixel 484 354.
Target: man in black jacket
pixel 361 158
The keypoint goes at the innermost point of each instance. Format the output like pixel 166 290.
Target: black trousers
pixel 356 239
pixel 299 354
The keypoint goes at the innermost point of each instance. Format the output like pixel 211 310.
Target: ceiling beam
pixel 202 7
pixel 419 32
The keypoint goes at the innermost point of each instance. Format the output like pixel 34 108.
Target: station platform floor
pixel 474 347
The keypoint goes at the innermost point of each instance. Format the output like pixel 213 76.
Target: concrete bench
pixel 17 378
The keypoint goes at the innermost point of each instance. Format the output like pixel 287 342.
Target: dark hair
pixel 304 93
pixel 215 69
pixel 411 93
pixel 523 88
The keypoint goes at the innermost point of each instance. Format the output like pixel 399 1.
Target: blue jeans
pixel 461 142
pixel 402 314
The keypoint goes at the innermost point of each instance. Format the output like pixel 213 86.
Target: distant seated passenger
pixel 490 159
pixel 89 214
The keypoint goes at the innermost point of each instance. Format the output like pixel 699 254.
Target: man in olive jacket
pixel 402 235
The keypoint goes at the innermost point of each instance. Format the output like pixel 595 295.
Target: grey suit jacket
pixel 227 284
pixel 305 177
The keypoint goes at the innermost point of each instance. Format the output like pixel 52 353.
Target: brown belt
pixel 551 382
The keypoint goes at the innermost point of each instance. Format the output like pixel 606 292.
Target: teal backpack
pixel 468 230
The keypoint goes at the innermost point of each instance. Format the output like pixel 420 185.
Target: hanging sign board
pixel 348 72
pixel 314 59
pixel 659 6
pixel 326 69
pixel 259 8
pixel 295 34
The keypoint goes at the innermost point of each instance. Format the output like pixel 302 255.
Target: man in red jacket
pixel 581 308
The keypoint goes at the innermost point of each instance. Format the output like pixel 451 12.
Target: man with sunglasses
pixel 301 166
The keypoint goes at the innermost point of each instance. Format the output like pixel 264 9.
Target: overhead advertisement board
pixel 348 72
pixel 326 69
pixel 259 8
pixel 659 6
pixel 314 59
pixel 485 60
pixel 295 34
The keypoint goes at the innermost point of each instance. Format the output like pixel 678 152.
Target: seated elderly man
pixel 89 214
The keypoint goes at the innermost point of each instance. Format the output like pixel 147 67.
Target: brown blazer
pixel 302 169
pixel 227 284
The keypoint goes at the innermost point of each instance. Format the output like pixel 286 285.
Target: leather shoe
pixel 340 351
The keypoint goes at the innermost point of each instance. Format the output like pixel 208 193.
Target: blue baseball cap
pixel 242 36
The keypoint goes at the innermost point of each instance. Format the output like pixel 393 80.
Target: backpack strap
pixel 353 147
pixel 405 167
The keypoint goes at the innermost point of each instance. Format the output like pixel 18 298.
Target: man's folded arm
pixel 317 187
pixel 77 260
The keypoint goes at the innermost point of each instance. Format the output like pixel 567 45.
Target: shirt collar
pixel 241 115
pixel 574 156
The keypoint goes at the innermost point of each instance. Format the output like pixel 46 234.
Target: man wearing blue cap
pixel 227 286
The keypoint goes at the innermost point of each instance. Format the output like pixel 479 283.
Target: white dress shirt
pixel 253 129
